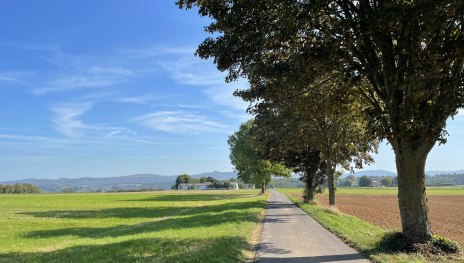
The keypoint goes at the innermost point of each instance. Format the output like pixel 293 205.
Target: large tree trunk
pixel 331 183
pixel 412 198
pixel 263 187
pixel 309 187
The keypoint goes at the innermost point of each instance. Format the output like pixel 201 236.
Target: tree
pixel 403 57
pixel 387 181
pixel 365 181
pixel 352 178
pixel 251 168
pixel 272 132
pixel 183 179
pixel 203 179
pixel 309 138
pixel 210 179
pixel 347 182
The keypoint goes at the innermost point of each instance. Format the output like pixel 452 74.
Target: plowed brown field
pixel 445 212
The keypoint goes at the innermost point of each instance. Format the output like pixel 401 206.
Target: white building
pixel 198 186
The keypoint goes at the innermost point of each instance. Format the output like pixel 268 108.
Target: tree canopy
pixel 250 167
pixel 404 58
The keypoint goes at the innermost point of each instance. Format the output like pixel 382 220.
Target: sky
pixel 112 88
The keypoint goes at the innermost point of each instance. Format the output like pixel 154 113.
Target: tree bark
pixel 412 199
pixel 263 187
pixel 331 183
pixel 310 183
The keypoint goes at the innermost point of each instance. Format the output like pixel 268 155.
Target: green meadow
pixel 196 226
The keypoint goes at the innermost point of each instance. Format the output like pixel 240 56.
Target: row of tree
pixel 187 179
pixel 329 79
pixel 445 179
pixel 365 181
pixel 19 189
pixel 214 184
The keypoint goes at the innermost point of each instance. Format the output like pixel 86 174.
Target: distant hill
pixel 371 173
pixel 433 173
pixel 388 173
pixel 217 175
pixel 130 182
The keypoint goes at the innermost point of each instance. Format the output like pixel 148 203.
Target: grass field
pixel 365 236
pixel 206 226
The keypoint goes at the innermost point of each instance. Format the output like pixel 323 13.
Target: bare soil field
pixel 446 212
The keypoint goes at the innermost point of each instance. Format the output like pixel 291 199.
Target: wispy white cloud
pixel 241 117
pixel 29 46
pixel 66 118
pixel 195 72
pixel 136 99
pixel 7 78
pixel 180 122
pixel 18 77
pixel 87 77
pixel 143 99
pixel 120 137
pixel 151 52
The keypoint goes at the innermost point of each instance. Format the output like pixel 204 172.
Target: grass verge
pixel 363 236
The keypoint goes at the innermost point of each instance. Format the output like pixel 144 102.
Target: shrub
pixel 445 244
pixel 397 242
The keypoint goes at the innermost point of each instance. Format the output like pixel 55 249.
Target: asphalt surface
pixel 290 235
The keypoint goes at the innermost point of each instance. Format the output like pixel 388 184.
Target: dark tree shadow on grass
pixel 176 223
pixel 202 249
pixel 144 212
pixel 187 197
pixel 187 217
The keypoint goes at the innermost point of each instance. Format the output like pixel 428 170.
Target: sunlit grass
pixel 207 226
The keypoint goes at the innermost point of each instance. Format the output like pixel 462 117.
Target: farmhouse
pixel 194 186
pixel 376 184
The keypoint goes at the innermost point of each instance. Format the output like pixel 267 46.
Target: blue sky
pixel 100 88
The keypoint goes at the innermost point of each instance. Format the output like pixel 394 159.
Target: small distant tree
pixel 68 190
pixel 365 181
pixel 183 179
pixel 387 181
pixel 347 182
pixel 210 179
pixel 226 185
pixel 9 189
pixel 352 178
pixel 203 179
pixel 251 168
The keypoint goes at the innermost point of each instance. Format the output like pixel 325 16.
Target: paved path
pixel 290 235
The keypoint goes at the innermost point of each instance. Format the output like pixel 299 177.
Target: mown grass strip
pixel 365 237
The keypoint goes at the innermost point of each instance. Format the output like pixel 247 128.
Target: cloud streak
pixel 180 122
pixel 195 72
pixel 66 118
pixel 88 77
